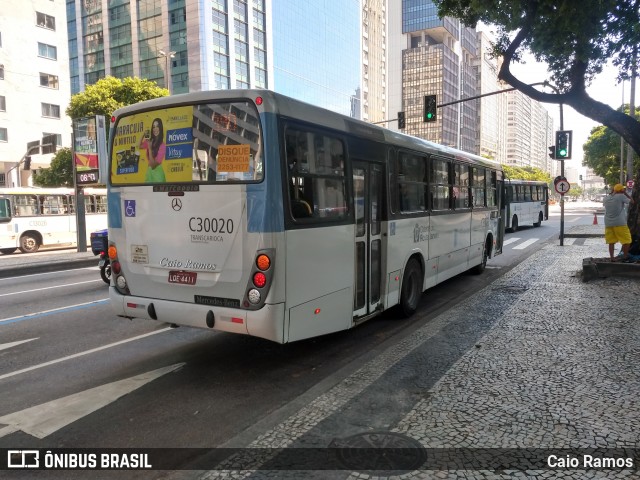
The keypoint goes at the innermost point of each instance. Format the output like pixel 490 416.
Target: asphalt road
pixel 79 376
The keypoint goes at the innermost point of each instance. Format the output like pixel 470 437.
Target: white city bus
pixel 285 221
pixel 526 203
pixel 32 217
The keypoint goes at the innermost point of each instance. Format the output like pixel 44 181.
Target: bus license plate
pixel 185 278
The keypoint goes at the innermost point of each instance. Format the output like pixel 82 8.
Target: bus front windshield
pixel 203 143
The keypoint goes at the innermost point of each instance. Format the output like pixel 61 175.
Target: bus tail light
pixel 116 270
pixel 260 280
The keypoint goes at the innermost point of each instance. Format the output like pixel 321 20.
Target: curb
pixel 19 270
pixel 596 268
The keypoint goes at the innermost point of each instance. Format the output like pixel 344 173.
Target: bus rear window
pixel 203 143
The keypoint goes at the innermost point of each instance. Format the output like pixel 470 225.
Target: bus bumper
pixel 268 322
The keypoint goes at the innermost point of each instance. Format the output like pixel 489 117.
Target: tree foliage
pixel 575 38
pixel 110 93
pixel 602 154
pixel 526 173
pixel 59 174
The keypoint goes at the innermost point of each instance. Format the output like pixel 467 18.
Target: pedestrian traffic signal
pixel 430 107
pixel 563 144
pixel 401 120
pixel 552 152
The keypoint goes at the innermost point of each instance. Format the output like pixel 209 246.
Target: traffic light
pixel 580 177
pixel 401 120
pixel 552 152
pixel 563 144
pixel 430 108
pixel 27 163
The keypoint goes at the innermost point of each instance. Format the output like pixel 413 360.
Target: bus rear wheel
pixel 478 269
pixel 29 244
pixel 411 288
pixel 8 251
pixel 539 222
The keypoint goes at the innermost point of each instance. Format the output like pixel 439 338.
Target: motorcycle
pixel 99 246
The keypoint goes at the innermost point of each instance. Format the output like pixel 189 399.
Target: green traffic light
pixel 429 115
pixel 562 153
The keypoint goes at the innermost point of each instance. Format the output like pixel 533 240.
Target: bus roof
pixel 292 108
pixel 525 182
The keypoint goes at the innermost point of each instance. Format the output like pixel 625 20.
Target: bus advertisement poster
pixel 153 147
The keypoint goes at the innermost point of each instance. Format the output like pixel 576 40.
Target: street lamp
pixel 167 56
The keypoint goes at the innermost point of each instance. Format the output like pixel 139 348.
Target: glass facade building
pixel 308 51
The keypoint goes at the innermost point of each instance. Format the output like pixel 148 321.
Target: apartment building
pixel 34 85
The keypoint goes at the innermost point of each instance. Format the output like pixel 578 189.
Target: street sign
pixel 629 183
pixel 563 187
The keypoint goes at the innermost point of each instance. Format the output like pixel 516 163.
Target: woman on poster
pixel 153 143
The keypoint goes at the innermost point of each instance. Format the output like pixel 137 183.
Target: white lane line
pixel 4 346
pixel 42 420
pixel 19 318
pixel 47 273
pixel 48 288
pixel 525 244
pixel 510 240
pixel 81 354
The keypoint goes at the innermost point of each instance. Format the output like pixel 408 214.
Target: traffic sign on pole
pixel 563 187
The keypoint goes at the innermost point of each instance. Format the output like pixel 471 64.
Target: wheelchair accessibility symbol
pixel 129 208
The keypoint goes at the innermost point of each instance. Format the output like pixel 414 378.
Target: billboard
pixel 153 147
pixel 88 133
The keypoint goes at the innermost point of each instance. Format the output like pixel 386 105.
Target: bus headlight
pixel 254 296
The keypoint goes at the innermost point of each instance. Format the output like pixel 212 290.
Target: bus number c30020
pixel 211 225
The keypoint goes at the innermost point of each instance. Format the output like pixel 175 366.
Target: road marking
pixel 48 288
pixel 526 243
pixel 42 420
pixel 4 346
pixel 44 313
pixel 45 273
pixel 510 240
pixel 81 354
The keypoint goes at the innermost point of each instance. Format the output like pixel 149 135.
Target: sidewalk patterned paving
pixel 557 370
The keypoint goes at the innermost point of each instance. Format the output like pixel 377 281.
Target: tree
pixel 602 154
pixel 110 93
pixel 526 173
pixel 575 38
pixel 59 174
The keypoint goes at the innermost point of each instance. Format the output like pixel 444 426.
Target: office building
pixel 433 56
pixel 300 49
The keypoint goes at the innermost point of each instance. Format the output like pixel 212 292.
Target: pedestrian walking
pixel 615 221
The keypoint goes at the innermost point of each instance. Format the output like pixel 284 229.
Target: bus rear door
pixel 368 181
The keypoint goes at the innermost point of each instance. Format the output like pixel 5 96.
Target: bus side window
pixel 5 210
